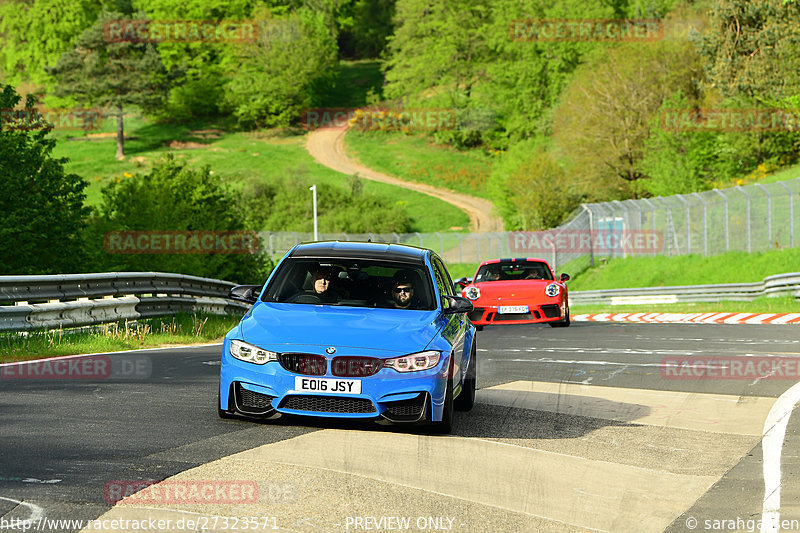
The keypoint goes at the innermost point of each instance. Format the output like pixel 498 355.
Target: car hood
pixel 391 332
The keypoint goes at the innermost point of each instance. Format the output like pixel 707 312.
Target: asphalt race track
pixel 596 427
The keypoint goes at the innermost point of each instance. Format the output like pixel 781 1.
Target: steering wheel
pixel 305 298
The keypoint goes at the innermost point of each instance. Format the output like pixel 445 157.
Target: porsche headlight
pixel 552 289
pixel 414 362
pixel 251 354
pixel 473 292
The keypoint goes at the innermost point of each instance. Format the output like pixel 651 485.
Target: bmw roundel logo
pixel 330 350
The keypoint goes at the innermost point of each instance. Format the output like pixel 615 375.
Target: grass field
pixel 732 267
pixel 238 157
pixel 416 158
pixel 148 333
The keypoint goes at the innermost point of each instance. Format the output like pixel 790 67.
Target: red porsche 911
pixel 517 291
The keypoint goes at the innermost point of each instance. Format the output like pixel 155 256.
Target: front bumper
pixel 483 315
pixel 266 390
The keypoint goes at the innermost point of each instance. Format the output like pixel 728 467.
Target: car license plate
pixel 508 309
pixel 336 386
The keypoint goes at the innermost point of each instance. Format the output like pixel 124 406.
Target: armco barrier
pixel 72 300
pixel 772 286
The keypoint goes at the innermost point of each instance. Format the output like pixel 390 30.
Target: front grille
pixel 476 314
pixel 252 402
pixel 355 366
pixel 409 410
pixel 551 311
pixel 516 316
pixel 304 363
pixel 327 404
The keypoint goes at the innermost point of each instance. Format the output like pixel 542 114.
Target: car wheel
pixel 222 412
pixel 466 399
pixel 446 425
pixel 561 323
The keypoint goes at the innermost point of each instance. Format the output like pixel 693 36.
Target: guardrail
pixel 72 300
pixel 772 286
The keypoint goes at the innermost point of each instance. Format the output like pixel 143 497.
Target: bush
pixel 42 206
pixel 173 197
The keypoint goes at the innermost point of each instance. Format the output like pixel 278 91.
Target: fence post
pixel 653 216
pixel 441 243
pixel 419 235
pixel 705 222
pixel 591 234
pixel 727 233
pixel 791 214
pixel 747 214
pixel 688 230
pixel 769 211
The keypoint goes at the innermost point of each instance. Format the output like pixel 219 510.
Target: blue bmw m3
pixel 352 330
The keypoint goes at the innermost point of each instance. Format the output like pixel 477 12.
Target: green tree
pixel 101 72
pixel 173 197
pixel 339 210
pixel 604 116
pixel 530 188
pixel 284 71
pixel 35 34
pixel 752 49
pixel 41 205
pixel 205 65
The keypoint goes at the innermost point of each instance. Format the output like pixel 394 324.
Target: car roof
pixel 509 260
pixel 360 250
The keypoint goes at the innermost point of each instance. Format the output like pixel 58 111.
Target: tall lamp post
pixel 313 190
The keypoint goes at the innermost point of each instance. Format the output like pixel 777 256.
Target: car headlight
pixel 473 292
pixel 552 290
pixel 414 362
pixel 251 354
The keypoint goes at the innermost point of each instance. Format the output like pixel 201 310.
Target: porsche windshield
pixel 514 271
pixel 354 283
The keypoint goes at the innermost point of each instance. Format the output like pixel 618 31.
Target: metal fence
pixel 748 218
pixel 72 300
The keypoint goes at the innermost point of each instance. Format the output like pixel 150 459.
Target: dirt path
pixel 327 147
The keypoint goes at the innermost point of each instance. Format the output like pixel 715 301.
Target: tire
pixel 466 400
pixel 222 412
pixel 561 323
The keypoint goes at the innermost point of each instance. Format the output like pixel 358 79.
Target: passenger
pixel 403 294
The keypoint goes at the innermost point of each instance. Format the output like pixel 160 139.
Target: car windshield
pixel 353 283
pixel 514 271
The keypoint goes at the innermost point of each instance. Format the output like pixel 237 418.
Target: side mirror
pixel 245 293
pixel 457 305
pixel 564 277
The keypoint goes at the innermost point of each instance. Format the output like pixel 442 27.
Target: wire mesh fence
pixel 748 218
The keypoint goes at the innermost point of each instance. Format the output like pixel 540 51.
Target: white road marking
pixel 772 446
pixel 61 357
pixel 37 513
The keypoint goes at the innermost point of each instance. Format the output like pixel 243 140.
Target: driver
pixel 321 280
